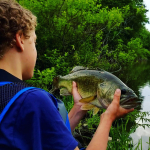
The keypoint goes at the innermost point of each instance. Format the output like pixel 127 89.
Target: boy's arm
pixel 76 114
pixel 100 138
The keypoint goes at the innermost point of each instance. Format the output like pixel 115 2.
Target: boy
pixel 29 117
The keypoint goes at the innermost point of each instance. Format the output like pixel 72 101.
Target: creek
pixel 137 77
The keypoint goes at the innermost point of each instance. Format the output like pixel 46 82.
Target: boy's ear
pixel 20 40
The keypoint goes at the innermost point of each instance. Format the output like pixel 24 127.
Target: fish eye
pixel 102 84
pixel 123 91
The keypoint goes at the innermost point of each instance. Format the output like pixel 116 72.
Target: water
pixel 137 77
pixel 140 132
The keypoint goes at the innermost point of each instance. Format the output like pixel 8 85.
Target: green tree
pixel 93 33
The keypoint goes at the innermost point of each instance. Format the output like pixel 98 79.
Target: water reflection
pixel 141 132
pixel 137 77
pixel 146 93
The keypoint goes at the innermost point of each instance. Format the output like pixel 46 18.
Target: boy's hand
pixel 76 114
pixel 114 110
pixel 76 95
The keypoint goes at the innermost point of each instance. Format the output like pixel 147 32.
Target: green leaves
pixel 43 79
pixel 92 33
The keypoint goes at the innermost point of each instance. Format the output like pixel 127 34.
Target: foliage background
pixel 106 34
pixel 95 33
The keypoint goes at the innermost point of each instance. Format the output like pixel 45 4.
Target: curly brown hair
pixel 13 18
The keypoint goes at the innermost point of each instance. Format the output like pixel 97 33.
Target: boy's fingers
pixel 118 92
pixel 74 87
pixel 130 110
pixel 75 93
pixel 123 111
pixel 117 95
pixel 74 84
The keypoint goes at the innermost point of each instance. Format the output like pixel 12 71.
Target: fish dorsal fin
pixel 77 68
pixel 99 69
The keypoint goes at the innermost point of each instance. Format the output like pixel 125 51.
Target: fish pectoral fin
pixel 96 103
pixel 95 110
pixel 87 106
pixel 64 92
pixel 87 99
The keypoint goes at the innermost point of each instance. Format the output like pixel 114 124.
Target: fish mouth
pixel 129 102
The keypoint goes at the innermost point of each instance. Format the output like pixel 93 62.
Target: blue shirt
pixel 34 123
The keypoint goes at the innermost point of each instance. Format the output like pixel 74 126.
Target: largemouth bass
pixel 96 87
